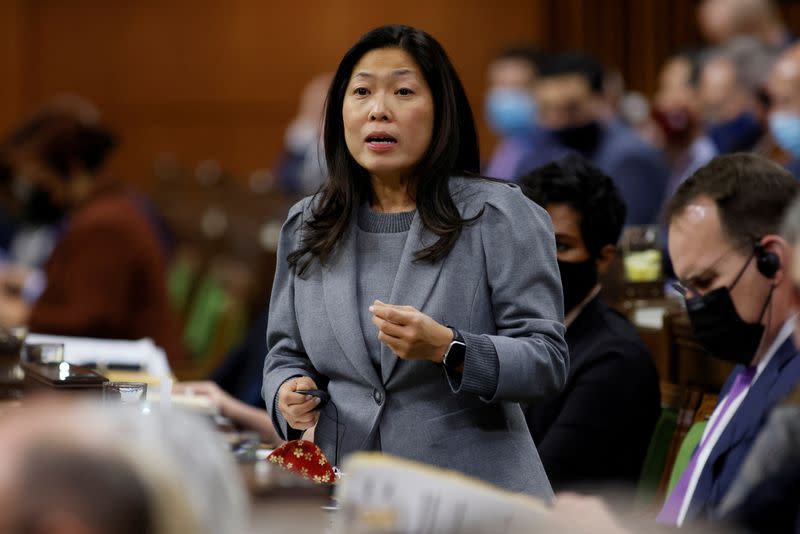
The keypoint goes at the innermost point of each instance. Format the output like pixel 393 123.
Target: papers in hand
pixel 141 354
pixel 380 493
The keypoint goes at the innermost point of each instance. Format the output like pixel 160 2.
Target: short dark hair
pixel 101 489
pixel 586 189
pixel 453 151
pixel 64 143
pixel 524 52
pixel 695 58
pixel 578 63
pixel 751 193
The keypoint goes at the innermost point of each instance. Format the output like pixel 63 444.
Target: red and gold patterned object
pixel 305 459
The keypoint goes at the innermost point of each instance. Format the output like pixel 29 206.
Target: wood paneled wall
pixel 220 79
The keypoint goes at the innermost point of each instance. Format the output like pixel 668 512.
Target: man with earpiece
pixel 733 270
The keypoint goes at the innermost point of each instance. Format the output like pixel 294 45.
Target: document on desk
pixel 380 493
pixel 140 354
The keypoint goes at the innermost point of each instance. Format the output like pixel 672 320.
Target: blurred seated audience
pixel 597 430
pixel 732 96
pixel 78 468
pixel 734 272
pixel 244 415
pixel 106 275
pixel 784 117
pixel 241 373
pixel 573 114
pixel 678 116
pixel 722 20
pixel 511 108
pixel 235 386
pixel 301 168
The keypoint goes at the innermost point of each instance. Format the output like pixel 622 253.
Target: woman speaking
pixel 426 302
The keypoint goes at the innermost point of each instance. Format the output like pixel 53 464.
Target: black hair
pixel 579 63
pixel 586 189
pixel 695 57
pixel 64 143
pixel 524 52
pixel 751 193
pixel 453 151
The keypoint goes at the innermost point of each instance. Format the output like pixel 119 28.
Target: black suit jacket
pixel 598 429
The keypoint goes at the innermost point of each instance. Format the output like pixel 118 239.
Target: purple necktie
pixel 672 508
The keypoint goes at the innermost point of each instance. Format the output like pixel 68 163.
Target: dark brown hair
pixel 64 143
pixel 751 193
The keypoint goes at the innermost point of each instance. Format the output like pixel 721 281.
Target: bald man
pixel 723 20
pixel 784 117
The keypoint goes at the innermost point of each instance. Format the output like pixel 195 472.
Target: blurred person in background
pixel 723 20
pixel 511 108
pixel 37 222
pixel 106 275
pixel 597 430
pixel 235 385
pixel 784 113
pixel 734 272
pixel 678 116
pixel 79 468
pixel 732 97
pixel 301 167
pixel 573 112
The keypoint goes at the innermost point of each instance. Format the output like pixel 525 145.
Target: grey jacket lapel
pixel 339 278
pixel 413 283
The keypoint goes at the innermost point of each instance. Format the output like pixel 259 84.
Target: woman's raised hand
pixel 410 334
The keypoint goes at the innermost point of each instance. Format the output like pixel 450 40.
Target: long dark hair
pixel 453 151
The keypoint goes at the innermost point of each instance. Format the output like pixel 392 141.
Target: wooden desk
pixel 282 501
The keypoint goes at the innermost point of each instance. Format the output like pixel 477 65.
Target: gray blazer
pixel 499 286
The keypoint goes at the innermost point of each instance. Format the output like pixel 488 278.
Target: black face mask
pixel 717 326
pixel 39 208
pixel 583 138
pixel 577 279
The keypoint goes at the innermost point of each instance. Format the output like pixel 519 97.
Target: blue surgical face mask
pixel 785 128
pixel 510 111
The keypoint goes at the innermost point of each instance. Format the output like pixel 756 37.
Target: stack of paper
pixel 382 494
pixel 141 355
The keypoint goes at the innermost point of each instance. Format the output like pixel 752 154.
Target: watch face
pixel 455 354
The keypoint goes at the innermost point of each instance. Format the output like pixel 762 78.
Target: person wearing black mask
pixel 106 276
pixel 572 113
pixel 733 270
pixel 598 429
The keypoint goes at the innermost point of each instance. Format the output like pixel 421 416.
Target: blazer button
pixel 378 396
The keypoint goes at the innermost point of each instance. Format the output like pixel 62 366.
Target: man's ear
pixel 605 258
pixel 778 246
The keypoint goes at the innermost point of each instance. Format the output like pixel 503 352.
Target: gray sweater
pixel 380 241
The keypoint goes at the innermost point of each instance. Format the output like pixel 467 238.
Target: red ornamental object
pixel 305 459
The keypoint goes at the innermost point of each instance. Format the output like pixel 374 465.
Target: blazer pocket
pixel 474 420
